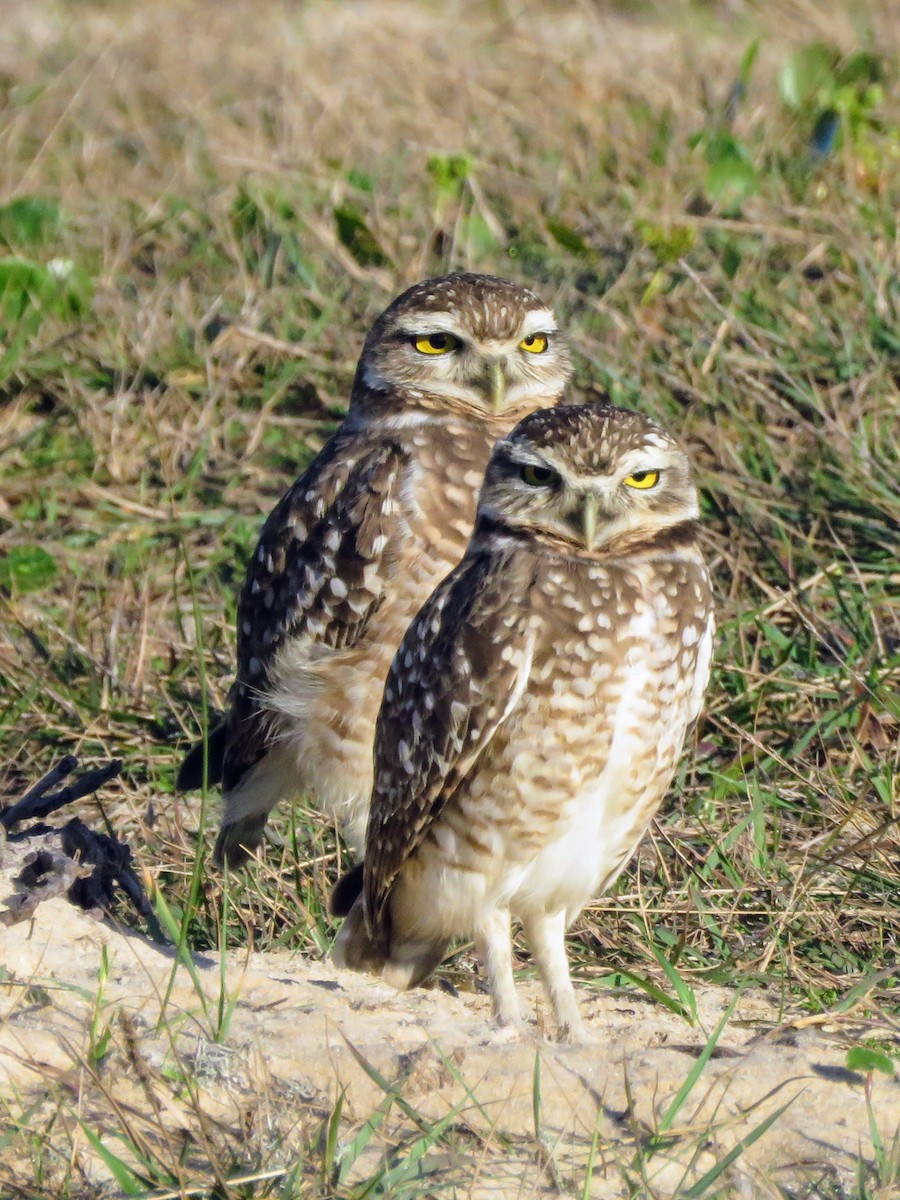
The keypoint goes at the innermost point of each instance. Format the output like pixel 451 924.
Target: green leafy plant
pixel 869 1058
pixel 731 176
pixel 29 221
pixel 354 233
pixel 834 97
pixel 467 225
pixel 31 290
pixel 449 173
pixel 27 569
pixel 100 1030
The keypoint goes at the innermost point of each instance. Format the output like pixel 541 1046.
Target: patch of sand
pixel 299 1034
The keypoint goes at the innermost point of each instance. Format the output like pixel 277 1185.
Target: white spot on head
pixel 599 645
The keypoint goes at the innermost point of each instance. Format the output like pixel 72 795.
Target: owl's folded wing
pixel 460 672
pixel 317 577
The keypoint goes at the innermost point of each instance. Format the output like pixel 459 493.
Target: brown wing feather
pixel 318 573
pixel 448 691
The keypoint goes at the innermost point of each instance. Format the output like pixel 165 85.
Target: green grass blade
pixel 130 1183
pixel 697 1070
pixel 698 1189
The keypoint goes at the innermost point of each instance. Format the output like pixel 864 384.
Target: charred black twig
pixel 17 812
pixel 108 858
pixel 35 803
pixel 111 860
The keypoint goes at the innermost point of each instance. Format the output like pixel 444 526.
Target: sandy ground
pixel 81 1037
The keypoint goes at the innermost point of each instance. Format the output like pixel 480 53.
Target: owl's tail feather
pixel 346 890
pixel 190 773
pixel 240 836
pixel 238 839
pixel 405 964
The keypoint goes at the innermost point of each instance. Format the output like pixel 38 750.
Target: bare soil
pixel 101 1030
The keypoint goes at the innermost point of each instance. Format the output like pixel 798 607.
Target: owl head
pixel 589 478
pixel 474 344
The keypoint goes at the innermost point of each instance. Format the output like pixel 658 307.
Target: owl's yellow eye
pixel 538 476
pixel 535 343
pixel 643 479
pixel 436 343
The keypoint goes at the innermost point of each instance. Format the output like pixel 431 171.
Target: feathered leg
pixel 545 934
pixel 493 943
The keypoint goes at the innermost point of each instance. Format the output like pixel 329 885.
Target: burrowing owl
pixel 358 543
pixel 535 710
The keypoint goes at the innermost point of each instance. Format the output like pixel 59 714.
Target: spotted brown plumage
pixel 319 575
pixel 535 710
pixel 444 700
pixel 358 543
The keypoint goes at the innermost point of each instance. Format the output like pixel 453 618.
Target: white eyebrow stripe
pixel 437 322
pixel 644 458
pixel 541 320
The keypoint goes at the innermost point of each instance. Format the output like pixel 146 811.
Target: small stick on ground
pixel 109 857
pixel 19 811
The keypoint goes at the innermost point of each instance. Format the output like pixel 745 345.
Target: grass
pixel 709 198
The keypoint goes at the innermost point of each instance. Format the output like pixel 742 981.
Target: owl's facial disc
pixel 489 361
pixel 590 506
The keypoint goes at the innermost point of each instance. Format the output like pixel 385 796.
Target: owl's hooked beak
pixel 495 378
pixel 589 513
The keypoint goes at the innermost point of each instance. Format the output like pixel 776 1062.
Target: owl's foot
pixel 575 1033
pixel 508 1034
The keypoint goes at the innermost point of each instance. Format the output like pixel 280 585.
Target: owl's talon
pixel 576 1035
pixel 506 1035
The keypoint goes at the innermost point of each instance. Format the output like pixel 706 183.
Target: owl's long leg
pixel 546 937
pixel 493 944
